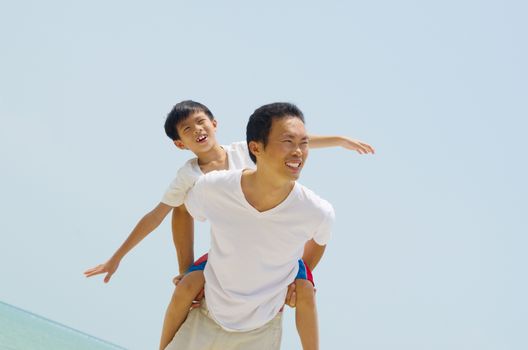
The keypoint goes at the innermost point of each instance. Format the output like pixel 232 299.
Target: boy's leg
pixel 306 309
pixel 180 303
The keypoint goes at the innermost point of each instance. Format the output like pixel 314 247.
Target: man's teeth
pixel 293 165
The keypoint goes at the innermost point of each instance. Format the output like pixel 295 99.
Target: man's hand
pixel 356 145
pixel 108 267
pixel 197 302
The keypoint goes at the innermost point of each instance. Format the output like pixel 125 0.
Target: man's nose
pixel 297 150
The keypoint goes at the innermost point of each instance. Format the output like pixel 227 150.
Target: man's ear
pixel 255 148
pixel 179 144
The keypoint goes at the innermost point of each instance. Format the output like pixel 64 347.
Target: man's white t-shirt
pixel 254 255
pixel 237 158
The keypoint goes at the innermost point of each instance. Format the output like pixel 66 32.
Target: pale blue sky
pixel 429 248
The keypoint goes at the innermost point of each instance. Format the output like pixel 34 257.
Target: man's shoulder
pixel 217 177
pixel 313 201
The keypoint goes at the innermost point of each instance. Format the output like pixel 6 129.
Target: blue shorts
pixel 304 271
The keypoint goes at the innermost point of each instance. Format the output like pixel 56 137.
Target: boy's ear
pixel 215 123
pixel 179 144
pixel 255 148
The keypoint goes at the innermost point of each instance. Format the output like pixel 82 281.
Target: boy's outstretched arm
pixel 146 225
pixel 340 141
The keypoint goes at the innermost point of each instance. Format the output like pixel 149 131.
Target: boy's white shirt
pixel 237 158
pixel 254 255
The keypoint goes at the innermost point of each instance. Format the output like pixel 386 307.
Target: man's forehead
pixel 292 126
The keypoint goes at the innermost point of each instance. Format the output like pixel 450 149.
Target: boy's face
pixel 197 133
pixel 287 148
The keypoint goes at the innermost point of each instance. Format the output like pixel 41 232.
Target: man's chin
pixel 294 175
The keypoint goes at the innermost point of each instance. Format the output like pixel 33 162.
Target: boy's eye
pixel 201 121
pixel 186 129
pixel 289 141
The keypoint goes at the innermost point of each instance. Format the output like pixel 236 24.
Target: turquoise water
pixel 22 330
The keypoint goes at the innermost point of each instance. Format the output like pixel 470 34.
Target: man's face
pixel 287 148
pixel 197 133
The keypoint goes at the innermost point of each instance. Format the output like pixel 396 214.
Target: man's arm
pixel 340 141
pixel 183 237
pixel 313 253
pixel 146 225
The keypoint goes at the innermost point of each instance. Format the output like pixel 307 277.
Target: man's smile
pixel 294 164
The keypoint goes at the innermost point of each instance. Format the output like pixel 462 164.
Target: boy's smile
pixel 201 138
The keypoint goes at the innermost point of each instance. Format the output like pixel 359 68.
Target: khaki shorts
pixel 201 332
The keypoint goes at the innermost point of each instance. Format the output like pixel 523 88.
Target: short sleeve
pixel 241 148
pixel 324 232
pixel 195 201
pixel 182 183
pixel 238 155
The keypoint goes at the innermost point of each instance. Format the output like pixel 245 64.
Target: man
pixel 260 222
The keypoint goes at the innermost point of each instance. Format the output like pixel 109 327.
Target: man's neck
pixel 213 159
pixel 264 191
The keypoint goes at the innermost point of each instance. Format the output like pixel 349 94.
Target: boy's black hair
pixel 179 113
pixel 259 124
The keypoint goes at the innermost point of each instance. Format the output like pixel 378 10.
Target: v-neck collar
pixel 266 212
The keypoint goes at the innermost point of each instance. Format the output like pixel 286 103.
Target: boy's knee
pixel 187 287
pixel 305 292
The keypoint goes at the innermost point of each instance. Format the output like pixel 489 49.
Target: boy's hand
pixel 177 279
pixel 356 145
pixel 291 297
pixel 197 302
pixel 108 267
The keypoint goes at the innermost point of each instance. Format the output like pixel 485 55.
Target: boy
pixel 192 126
